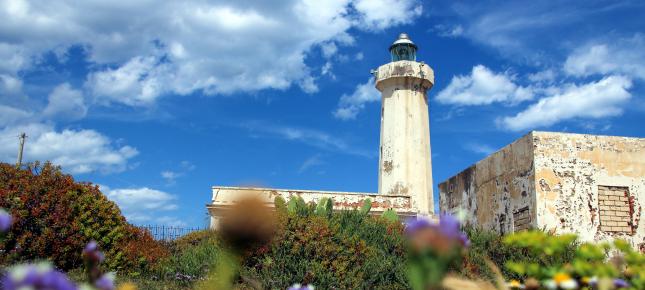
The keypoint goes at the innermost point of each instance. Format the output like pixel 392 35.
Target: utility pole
pixel 22 138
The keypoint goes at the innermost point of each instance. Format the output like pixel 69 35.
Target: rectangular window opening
pixel 615 210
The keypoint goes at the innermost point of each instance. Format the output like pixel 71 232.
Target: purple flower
pixel 105 282
pixel 92 253
pixel 301 287
pixel 620 283
pixel 449 226
pixel 38 276
pixel 463 238
pixel 91 247
pixel 5 221
pixel 412 225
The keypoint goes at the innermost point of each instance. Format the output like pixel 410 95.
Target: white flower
pixel 569 284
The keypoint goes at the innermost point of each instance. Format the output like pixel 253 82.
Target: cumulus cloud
pixel 624 56
pixel 600 99
pixel 139 205
pixel 142 50
pixel 10 115
pixel 483 87
pixel 350 105
pixel 77 151
pixel 381 14
pixel 65 103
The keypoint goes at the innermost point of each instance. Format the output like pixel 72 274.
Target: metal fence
pixel 167 233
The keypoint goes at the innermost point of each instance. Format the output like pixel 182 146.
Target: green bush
pixel 55 217
pixel 346 250
pixel 192 257
pixel 488 245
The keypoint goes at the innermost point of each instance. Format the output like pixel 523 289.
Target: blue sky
pixel 157 101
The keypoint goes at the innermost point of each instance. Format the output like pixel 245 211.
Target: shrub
pixel 192 257
pixel 346 250
pixel 489 245
pixel 55 217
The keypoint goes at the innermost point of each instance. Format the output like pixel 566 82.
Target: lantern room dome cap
pixel 403 39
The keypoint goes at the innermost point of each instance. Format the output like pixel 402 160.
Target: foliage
pixel 588 267
pixel 55 217
pixel 346 250
pixel 367 206
pixel 490 246
pixel 390 215
pixel 191 258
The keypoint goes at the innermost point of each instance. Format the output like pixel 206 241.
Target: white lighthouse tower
pixel 405 167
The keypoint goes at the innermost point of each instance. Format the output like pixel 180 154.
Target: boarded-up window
pixel 615 213
pixel 521 219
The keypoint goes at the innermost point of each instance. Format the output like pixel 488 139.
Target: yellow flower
pixel 127 286
pixel 514 284
pixel 585 280
pixel 561 277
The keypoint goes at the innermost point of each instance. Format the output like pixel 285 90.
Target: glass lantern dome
pixel 403 49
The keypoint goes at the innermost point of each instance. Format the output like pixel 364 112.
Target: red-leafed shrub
pixel 55 216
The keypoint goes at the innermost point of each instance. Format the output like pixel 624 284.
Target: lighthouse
pixel 405 166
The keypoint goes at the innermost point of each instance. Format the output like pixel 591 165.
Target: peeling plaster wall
pixel 224 197
pixel 569 170
pixel 495 189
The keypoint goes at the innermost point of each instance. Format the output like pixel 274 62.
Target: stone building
pixel 405 168
pixel 590 185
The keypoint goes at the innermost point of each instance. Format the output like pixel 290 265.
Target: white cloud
pixel 77 151
pixel 350 105
pixel 315 160
pixel 65 103
pixel 10 115
pixel 479 148
pixel 547 75
pixel 141 50
pixel 381 14
pixel 593 100
pixel 171 175
pixel 449 31
pixel 311 137
pixel 140 205
pixel 523 30
pixel 483 87
pixel 138 82
pixel 623 56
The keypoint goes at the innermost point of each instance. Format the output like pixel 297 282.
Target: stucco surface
pixel 570 170
pixel 557 176
pixel 405 167
pixel 495 189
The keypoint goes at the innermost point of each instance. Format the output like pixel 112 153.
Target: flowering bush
pixel 598 266
pixel 434 248
pixel 43 276
pixel 54 217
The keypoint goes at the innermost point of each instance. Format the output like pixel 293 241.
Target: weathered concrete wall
pixel 498 192
pixel 570 169
pixel 224 197
pixel 405 167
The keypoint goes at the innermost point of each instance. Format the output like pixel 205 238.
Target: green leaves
pixel 367 206
pixel 324 207
pixel 390 215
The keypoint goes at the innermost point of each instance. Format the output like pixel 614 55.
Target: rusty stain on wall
pixel 558 176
